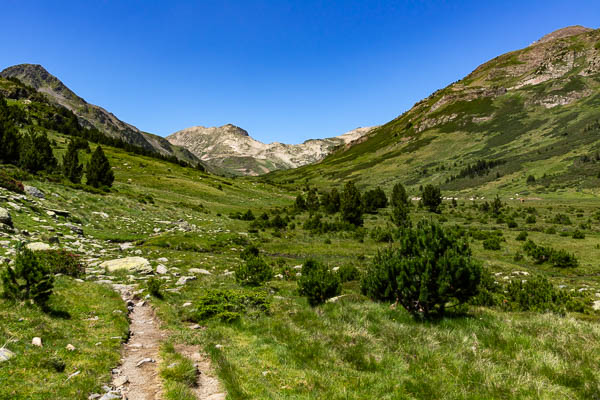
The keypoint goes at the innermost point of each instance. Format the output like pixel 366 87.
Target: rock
pixel 217 396
pixel 162 260
pixel 101 214
pixel 34 192
pixel 596 305
pixel 144 361
pixel 199 271
pixel 5 217
pixel 111 396
pixel 121 380
pixel 74 228
pixel 38 246
pixel 125 246
pixel 36 341
pixel 184 279
pixel 138 264
pixel 50 213
pixel 53 239
pixel 62 213
pixel 70 347
pixel 94 396
pixel 186 304
pixel 161 269
pixel 5 354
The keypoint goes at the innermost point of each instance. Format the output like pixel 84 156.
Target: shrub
pixel 249 252
pixel 578 234
pixel 530 180
pixel 399 196
pixel 492 243
pixel 331 201
pixel 10 183
pixel 561 219
pixel 530 219
pixel 348 273
pixel 28 280
pixel 154 284
pixel 300 203
pixel 36 153
pixel 373 200
pixel 318 283
pixel 511 223
pixel 558 258
pixel 381 235
pixel 229 305
pixel 254 272
pixel 563 259
pixel 430 268
pixel 72 170
pixel 312 200
pixel 522 236
pixel 62 262
pixel 400 215
pixel 432 198
pixel 247 216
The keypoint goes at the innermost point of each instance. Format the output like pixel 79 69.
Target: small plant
pixel 561 219
pixel 578 234
pixel 29 280
pixel 492 243
pixel 62 262
pixel 563 259
pixel 522 236
pixel 229 305
pixel 10 183
pixel 530 219
pixel 348 273
pixel 154 285
pixel 254 272
pixel 318 283
pixel 249 252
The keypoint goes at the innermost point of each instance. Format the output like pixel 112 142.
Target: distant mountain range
pixel 231 149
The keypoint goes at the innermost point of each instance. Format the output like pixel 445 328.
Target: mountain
pixel 231 149
pixel 90 115
pixel 524 122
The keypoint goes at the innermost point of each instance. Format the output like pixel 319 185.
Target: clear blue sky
pixel 283 70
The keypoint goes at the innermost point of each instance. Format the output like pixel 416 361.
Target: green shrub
pixel 249 252
pixel 522 236
pixel 254 272
pixel 229 305
pixel 154 285
pixel 431 267
pixel 62 262
pixel 563 259
pixel 98 171
pixel 561 219
pixel 318 283
pixel 530 219
pixel 551 231
pixel 541 254
pixel 432 198
pixel 511 223
pixel 381 235
pixel 348 273
pixel 351 205
pixel 492 243
pixel 28 280
pixel 578 234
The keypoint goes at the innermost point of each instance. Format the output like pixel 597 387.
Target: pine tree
pixel 432 198
pixel 98 171
pixel 28 280
pixel 36 153
pixel 300 203
pixel 350 205
pixel 312 201
pixel 9 138
pixel 72 170
pixel 400 215
pixel 399 195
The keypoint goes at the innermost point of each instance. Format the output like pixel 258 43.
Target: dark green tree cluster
pixel 430 271
pixel 330 201
pixel 373 200
pixel 71 167
pixel 36 153
pixel 9 137
pixel 351 205
pixel 432 198
pixel 400 206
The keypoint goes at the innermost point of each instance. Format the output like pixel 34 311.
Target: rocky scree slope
pixel 530 111
pixel 233 150
pixel 90 115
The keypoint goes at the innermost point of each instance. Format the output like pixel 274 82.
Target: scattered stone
pixel 70 347
pixel 5 354
pixel 61 213
pixel 74 374
pixel 138 264
pixel 37 341
pixel 77 229
pixel 34 192
pixel 111 396
pixel 161 269
pixel 297 267
pixel 38 246
pixel 121 380
pixel 50 213
pixel 94 396
pixel 196 326
pixel 596 305
pixel 125 246
pixel 184 279
pixel 5 217
pixel 199 271
pixel 144 361
pixel 162 260
pixel 186 304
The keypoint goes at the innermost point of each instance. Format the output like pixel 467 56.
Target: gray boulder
pixel 138 264
pixel 5 354
pixel 5 217
pixel 34 192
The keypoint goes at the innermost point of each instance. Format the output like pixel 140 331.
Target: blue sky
pixel 283 70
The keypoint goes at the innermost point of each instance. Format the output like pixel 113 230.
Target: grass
pixel 35 373
pixel 178 374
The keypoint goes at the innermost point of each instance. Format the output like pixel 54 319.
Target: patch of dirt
pixel 208 387
pixel 142 381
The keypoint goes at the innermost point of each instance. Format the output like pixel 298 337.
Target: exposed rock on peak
pixel 231 149
pixel 564 32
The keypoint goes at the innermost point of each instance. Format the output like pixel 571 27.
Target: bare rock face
pixel 232 149
pixel 138 264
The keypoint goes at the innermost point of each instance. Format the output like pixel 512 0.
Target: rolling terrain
pixel 532 111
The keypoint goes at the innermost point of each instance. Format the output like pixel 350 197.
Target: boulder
pixel 138 264
pixel 34 192
pixel 74 228
pixel 38 246
pixel 5 217
pixel 199 271
pixel 185 279
pixel 37 341
pixel 161 269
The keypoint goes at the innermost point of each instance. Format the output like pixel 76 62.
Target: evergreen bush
pixel 98 171
pixel 72 170
pixel 431 268
pixel 318 283
pixel 350 205
pixel 254 272
pixel 432 198
pixel 28 279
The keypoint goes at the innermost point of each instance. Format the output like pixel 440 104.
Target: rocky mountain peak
pixel 564 32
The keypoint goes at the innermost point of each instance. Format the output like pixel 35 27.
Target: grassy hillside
pixel 534 111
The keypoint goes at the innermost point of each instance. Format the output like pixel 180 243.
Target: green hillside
pixel 532 112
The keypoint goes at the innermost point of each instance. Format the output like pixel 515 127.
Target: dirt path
pixel 137 377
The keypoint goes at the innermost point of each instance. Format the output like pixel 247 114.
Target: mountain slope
pixel 529 112
pixel 231 149
pixel 91 115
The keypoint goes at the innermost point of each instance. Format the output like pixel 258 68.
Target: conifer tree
pixel 312 201
pixel 36 153
pixel 350 205
pixel 28 280
pixel 399 195
pixel 72 169
pixel 98 171
pixel 432 198
pixel 9 138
